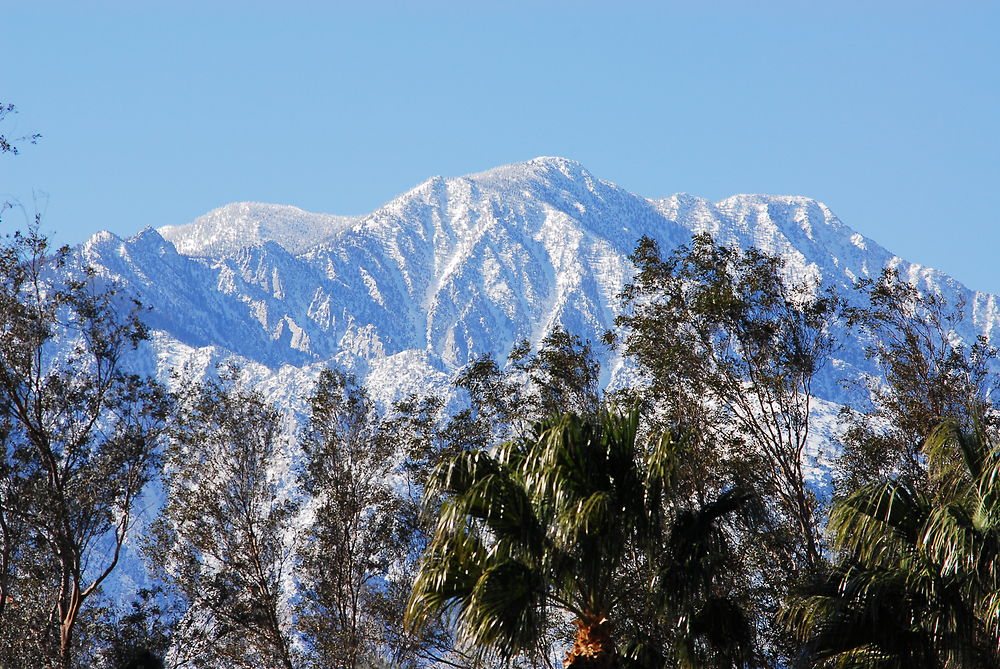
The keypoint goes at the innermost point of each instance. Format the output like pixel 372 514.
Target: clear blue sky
pixel 887 111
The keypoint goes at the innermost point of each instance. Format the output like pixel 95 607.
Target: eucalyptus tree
pixel 926 373
pixel 224 538
pixel 79 432
pixel 358 534
pixel 561 376
pixel 576 522
pixel 729 348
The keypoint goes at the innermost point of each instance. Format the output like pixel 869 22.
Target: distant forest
pixel 548 523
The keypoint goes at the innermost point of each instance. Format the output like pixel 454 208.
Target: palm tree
pixel 918 584
pixel 578 523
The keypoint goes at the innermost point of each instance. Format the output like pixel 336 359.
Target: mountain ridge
pixel 460 267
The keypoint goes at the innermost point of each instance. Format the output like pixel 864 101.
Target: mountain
pixel 453 269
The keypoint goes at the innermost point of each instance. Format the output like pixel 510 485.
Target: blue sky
pixel 889 112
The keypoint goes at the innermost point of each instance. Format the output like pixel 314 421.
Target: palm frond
pixel 449 570
pixel 718 634
pixel 918 579
pixel 505 608
pixel 879 521
pixel 550 520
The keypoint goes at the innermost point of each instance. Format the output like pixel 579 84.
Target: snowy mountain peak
pixel 542 173
pixel 148 237
pixel 101 238
pixel 234 226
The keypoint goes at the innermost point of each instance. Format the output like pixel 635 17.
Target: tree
pixel 358 536
pixel 223 537
pixel 561 376
pixel 926 374
pixel 7 144
pixel 729 348
pixel 80 435
pixel 138 637
pixel 575 520
pixel 422 439
pixel 917 581
pixel 912 520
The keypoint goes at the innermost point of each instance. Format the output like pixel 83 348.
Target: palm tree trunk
pixel 593 647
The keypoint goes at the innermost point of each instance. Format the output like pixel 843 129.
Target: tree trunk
pixel 66 627
pixel 66 645
pixel 593 647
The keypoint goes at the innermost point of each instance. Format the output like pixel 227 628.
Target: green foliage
pixel 562 376
pixel 926 374
pixel 730 348
pixel 917 581
pixel 574 520
pixel 139 637
pixel 351 610
pixel 914 523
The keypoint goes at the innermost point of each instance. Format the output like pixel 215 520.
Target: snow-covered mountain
pixel 457 267
pixel 454 268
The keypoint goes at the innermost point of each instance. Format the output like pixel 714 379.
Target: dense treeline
pixel 664 525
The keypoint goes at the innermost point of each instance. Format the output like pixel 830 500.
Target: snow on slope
pixel 459 267
pixel 241 224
